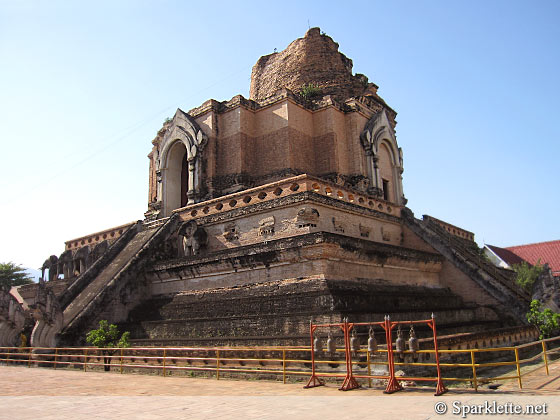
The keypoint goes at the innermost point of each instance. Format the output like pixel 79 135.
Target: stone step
pixel 106 275
pixel 284 308
pixel 153 224
pixel 295 296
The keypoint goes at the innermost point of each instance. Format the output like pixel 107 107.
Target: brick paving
pixel 539 382
pixel 40 393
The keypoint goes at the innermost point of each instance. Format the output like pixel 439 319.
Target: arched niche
pixel 176 178
pixel 178 166
pixel 386 173
pixel 383 158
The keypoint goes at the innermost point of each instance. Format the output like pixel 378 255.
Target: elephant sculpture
pixel 50 264
pixel 66 264
pixel 81 260
pixel 99 249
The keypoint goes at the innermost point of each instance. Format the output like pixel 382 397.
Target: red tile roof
pixel 509 257
pixel 547 252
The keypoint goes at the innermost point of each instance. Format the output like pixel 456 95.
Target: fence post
pixel 349 382
pixel 544 356
pixel 122 360
pixel 85 360
pixel 55 357
pixel 393 384
pixel 29 358
pixel 368 367
pixel 217 364
pixel 475 381
pixel 164 355
pixel 8 356
pixel 283 365
pixel 314 380
pixel 440 388
pixel 518 368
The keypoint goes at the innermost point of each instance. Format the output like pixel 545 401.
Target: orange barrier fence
pixel 350 347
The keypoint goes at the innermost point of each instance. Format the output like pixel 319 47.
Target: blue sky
pixel 85 86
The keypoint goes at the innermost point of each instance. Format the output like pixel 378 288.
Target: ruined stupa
pixel 266 212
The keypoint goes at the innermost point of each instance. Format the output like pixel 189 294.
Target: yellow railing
pixel 284 362
pixel 167 359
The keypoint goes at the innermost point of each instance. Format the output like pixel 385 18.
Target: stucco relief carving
pixel 364 231
pixel 307 217
pixel 338 225
pixel 266 226
pixel 385 234
pixel 231 232
pixel 192 239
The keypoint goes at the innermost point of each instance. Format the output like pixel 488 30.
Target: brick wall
pixel 313 59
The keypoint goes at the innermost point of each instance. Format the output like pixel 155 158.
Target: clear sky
pixel 85 86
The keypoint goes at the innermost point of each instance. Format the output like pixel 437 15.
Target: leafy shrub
pixel 527 274
pixel 545 320
pixel 309 91
pixel 107 336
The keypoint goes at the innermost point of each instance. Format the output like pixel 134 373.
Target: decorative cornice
pixel 375 129
pixel 183 127
pixel 308 239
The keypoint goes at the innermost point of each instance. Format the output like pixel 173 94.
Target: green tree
pixel 107 338
pixel 527 274
pixel 545 320
pixel 13 275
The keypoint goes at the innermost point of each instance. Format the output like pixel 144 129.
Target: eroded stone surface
pixel 266 212
pixel 313 59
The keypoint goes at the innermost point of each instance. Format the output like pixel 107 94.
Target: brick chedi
pixel 312 60
pixel 266 212
pixel 278 132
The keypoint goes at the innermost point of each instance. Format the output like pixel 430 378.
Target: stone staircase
pixel 111 285
pixel 82 282
pixel 464 255
pixel 118 264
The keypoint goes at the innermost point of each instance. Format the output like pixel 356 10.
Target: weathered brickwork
pixel 250 148
pixel 252 142
pixel 279 311
pixel 267 212
pixel 314 60
pixel 319 255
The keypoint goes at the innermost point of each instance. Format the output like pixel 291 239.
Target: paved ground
pixel 538 382
pixel 37 393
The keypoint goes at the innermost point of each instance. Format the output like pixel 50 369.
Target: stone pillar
pixel 191 192
pixel 370 166
pixel 377 177
pixel 159 184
